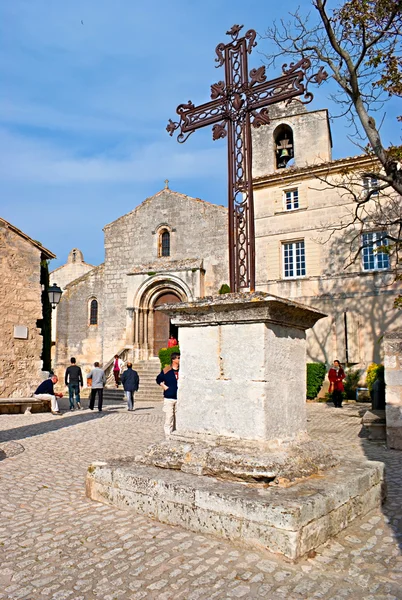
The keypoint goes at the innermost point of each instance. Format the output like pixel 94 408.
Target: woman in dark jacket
pixel 336 375
pixel 168 379
pixel 131 383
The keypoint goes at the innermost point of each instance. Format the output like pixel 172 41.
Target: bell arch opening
pixel 284 146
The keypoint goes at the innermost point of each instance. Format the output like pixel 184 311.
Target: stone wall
pixel 76 337
pixel 330 285
pixel 20 305
pixel 393 380
pixel 311 136
pixel 198 230
pixel 74 268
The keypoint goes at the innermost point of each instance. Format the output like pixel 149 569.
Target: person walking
pixel 45 391
pixel 73 380
pixel 168 379
pixel 98 382
pixel 131 382
pixel 117 367
pixel 336 375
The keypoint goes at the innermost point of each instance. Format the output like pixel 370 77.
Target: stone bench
pixel 23 405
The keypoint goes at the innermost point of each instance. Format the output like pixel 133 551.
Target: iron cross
pixel 236 104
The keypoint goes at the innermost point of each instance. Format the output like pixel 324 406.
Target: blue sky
pixel 87 88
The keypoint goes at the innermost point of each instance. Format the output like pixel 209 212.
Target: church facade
pixel 173 248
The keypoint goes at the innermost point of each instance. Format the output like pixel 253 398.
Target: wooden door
pixel 162 322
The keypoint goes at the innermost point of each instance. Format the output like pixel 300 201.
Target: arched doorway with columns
pixel 163 328
pixel 152 328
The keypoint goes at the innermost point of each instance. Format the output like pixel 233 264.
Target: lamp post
pixel 54 293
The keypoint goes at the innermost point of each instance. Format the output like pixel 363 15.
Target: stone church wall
pixel 76 337
pixel 20 304
pixel 72 270
pixel 197 230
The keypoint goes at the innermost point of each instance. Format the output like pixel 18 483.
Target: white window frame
pixel 369 254
pixel 291 197
pixel 371 184
pixel 294 256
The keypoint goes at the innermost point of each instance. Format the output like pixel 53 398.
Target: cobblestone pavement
pixel 56 544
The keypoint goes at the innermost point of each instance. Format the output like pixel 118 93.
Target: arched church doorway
pixel 163 328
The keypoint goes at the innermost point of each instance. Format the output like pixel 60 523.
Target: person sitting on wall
pixel 168 379
pixel 172 341
pixel 46 391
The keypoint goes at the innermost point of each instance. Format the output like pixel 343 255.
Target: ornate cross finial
pixel 166 184
pixel 238 103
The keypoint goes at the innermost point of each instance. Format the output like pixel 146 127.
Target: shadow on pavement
pixel 392 459
pixel 57 422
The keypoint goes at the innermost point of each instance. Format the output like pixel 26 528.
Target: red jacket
pixel 336 380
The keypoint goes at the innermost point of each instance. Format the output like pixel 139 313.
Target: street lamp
pixel 54 293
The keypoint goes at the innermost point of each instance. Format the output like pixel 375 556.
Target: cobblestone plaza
pixel 56 544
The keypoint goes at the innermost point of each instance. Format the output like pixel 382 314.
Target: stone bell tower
pixel 295 137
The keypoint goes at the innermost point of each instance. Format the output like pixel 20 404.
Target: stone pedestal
pixel 241 464
pixel 243 371
pixel 393 390
pixel 374 421
pixel 242 392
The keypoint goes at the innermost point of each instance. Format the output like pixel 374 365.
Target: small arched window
pixel 93 312
pixel 165 243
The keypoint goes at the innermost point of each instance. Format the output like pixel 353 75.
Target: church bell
pixel 284 152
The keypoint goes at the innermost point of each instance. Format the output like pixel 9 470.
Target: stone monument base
pixel 290 520
pixel 232 459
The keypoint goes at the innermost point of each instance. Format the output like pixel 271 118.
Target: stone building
pixel 21 311
pixel 62 276
pixel 173 247
pixel 302 253
pixel 170 248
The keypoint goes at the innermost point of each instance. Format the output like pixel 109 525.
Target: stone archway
pixel 162 326
pixel 152 328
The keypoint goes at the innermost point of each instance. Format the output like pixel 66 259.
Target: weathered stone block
pixel 243 370
pixel 390 362
pixel 374 421
pixel 393 377
pixel 393 394
pixel 20 304
pixel 288 520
